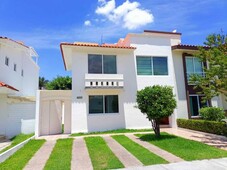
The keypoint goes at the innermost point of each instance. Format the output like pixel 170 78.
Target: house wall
pixel 156 46
pixel 12 111
pixel 129 116
pixel 180 85
pixel 3 114
pixel 82 121
pixel 27 84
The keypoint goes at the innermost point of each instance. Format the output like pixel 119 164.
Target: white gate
pixel 53 109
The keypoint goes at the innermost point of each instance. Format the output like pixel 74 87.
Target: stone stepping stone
pixel 123 155
pixel 80 156
pixel 40 158
pixel 156 150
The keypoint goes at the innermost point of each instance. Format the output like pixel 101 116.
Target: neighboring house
pixel 105 79
pixel 18 85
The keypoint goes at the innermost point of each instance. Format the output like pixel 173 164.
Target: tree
pixel 42 83
pixel 214 82
pixel 60 83
pixel 156 102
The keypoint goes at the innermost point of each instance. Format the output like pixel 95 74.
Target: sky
pixel 44 24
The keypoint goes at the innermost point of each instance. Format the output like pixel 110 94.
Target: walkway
pixel 39 160
pixel 212 164
pixel 81 159
pixel 156 150
pixel 80 156
pixel 4 144
pixel 207 138
pixel 127 159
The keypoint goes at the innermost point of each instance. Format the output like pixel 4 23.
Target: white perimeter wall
pixel 11 114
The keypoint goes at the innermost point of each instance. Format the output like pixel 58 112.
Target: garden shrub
pixel 212 113
pixel 219 128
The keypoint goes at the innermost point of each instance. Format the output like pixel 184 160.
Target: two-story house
pixel 106 77
pixel 18 85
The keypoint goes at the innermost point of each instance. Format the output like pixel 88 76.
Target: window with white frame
pixel 193 66
pixel 7 61
pixel 22 73
pixel 151 65
pixel 100 104
pixel 102 64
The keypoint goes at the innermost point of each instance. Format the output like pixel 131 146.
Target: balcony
pixel 104 81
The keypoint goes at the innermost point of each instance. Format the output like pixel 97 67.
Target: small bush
pixel 219 128
pixel 212 113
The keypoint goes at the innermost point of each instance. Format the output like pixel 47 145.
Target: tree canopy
pixel 214 82
pixel 156 102
pixel 60 83
pixel 42 83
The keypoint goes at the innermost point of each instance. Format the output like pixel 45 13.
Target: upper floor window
pixel 22 73
pixel 102 64
pixel 7 61
pixel 152 65
pixel 193 66
pixel 15 67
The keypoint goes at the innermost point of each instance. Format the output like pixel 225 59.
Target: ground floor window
pixel 103 104
pixel 196 103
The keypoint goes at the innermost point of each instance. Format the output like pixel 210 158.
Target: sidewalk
pixel 212 164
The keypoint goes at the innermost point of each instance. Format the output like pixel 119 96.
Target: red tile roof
pixel 18 42
pixel 97 45
pixel 7 86
pixel 188 47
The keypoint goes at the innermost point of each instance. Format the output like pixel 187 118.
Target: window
pixel 15 67
pixel 102 64
pixel 151 65
pixel 22 73
pixel 103 104
pixel 7 61
pixel 193 66
pixel 195 104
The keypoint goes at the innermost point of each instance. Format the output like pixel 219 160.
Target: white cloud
pixel 106 7
pixel 127 13
pixel 137 18
pixel 87 23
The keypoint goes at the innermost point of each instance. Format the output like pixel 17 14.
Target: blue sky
pixel 43 24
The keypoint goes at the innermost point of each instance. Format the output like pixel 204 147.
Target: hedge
pixel 219 128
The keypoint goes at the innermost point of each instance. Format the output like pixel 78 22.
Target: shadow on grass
pixel 152 137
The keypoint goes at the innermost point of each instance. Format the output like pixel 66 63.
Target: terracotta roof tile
pixel 18 42
pixel 97 45
pixel 7 86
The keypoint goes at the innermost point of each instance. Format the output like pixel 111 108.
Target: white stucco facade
pixel 126 81
pixel 19 83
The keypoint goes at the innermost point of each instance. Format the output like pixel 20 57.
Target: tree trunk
pixel 156 127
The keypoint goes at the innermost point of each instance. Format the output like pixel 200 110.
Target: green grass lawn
pixel 18 160
pixel 186 149
pixel 61 155
pixel 141 153
pixel 16 140
pixel 101 155
pixel 113 131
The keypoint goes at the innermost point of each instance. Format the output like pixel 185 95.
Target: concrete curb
pixel 11 151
